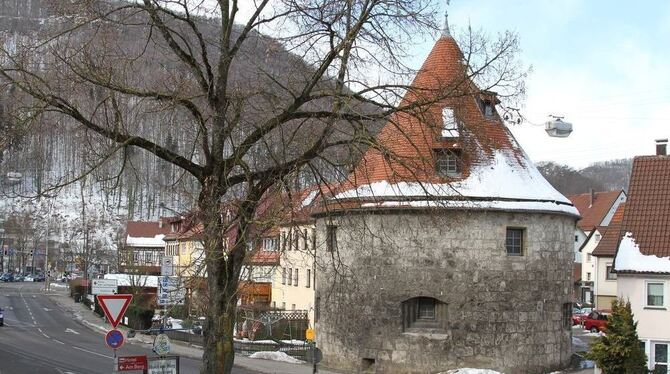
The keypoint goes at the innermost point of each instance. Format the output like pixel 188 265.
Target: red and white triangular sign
pixel 114 307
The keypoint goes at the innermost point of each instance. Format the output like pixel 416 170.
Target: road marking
pixel 42 332
pixel 58 341
pixel 47 309
pixel 91 352
pixel 71 331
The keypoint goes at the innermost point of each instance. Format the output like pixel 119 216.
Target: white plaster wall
pixel 589 266
pixel 652 324
pixel 604 288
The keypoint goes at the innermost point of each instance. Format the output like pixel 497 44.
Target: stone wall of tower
pixel 502 312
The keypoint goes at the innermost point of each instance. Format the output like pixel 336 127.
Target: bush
pixel 139 318
pixel 619 351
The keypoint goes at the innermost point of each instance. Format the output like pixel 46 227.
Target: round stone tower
pixel 446 248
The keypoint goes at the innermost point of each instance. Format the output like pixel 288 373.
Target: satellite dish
pixel 556 128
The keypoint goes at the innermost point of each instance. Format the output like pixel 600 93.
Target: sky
pixel 603 65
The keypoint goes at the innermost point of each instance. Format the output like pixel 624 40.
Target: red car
pixel 596 321
pixel 579 315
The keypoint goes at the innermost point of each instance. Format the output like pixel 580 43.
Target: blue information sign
pixel 114 339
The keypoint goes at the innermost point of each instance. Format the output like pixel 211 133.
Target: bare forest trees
pixel 219 103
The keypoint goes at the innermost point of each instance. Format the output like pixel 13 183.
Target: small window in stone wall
pixel 331 238
pixel 514 241
pixel 567 316
pixel 423 313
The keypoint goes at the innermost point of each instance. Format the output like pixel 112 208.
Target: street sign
pixel 167 266
pixel 114 339
pixel 114 307
pixel 128 363
pixel 162 344
pixel 163 365
pixel 171 291
pixel 104 286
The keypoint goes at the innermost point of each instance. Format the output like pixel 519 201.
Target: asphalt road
pixel 40 337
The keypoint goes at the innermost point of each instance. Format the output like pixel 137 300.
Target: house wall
pixel 502 312
pixel 580 237
pixel 285 295
pixel 652 324
pixel 605 290
pixel 588 269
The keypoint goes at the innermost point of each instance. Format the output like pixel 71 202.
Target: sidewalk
pixel 86 317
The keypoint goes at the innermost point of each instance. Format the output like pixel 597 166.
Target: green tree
pixel 619 351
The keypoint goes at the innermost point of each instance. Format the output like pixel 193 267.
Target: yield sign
pixel 114 307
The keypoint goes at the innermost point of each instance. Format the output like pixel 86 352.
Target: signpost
pixel 163 365
pixel 129 363
pixel 114 339
pixel 104 286
pixel 171 291
pixel 167 266
pixel 114 307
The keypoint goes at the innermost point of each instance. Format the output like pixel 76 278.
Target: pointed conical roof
pixel 493 167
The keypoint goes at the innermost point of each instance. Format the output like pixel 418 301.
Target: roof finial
pixel 445 30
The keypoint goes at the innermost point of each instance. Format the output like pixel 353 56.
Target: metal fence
pixel 185 336
pixel 295 350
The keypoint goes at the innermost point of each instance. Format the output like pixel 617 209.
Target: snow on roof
pixel 134 280
pixel 309 198
pixel 629 258
pixel 503 181
pixel 154 242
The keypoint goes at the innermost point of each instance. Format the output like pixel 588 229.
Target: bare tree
pixel 249 128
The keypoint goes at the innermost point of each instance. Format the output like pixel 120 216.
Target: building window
pixel 588 276
pixel 270 244
pixel 576 238
pixel 655 294
pixel 283 305
pixel 514 242
pixel 567 316
pixel 449 124
pixel 589 257
pixel 448 162
pixel 423 313
pixel 148 258
pixel 292 306
pixel 283 276
pixel 660 356
pixel 331 238
pixel 309 278
pixel 597 237
pixel 609 275
pixel 304 237
pixel 284 239
pixel 136 257
pixel 295 278
pixel 290 276
pixel 296 239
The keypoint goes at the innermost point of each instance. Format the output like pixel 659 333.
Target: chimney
pixel 661 147
pixel 593 197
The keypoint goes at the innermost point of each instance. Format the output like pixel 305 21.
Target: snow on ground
pixel 470 371
pixel 629 258
pixel 176 323
pixel 58 285
pixel 276 356
pixel 504 177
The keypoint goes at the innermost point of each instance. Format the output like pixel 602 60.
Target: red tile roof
pixel 143 229
pixel 410 137
pixel 593 214
pixel 647 214
pixel 610 235
pixel 576 272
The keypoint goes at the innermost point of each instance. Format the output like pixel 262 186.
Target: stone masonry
pixel 502 312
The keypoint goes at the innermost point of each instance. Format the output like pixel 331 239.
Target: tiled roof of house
pixel 576 272
pixel 647 215
pixel 593 214
pixel 149 229
pixel 610 235
pixel 495 172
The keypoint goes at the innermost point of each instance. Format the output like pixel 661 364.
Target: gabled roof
pixel 610 235
pixel 400 170
pixel 593 214
pixel 647 215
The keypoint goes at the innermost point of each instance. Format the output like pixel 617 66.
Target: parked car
pixel 579 315
pixel 7 277
pixel 39 278
pixel 596 321
pixel 28 278
pixel 2 317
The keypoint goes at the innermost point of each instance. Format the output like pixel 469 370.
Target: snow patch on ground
pixel 276 356
pixel 629 258
pixel 470 371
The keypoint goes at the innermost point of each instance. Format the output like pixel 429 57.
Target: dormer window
pixel 488 109
pixel 448 162
pixel 449 124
